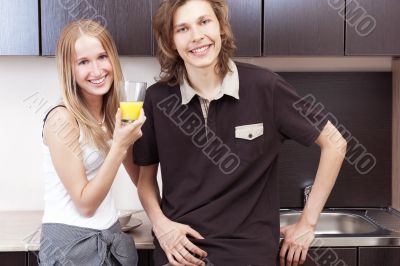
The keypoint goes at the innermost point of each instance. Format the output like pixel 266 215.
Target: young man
pixel 216 128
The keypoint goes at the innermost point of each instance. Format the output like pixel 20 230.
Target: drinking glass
pixel 132 97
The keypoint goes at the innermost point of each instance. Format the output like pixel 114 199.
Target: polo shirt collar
pixel 230 86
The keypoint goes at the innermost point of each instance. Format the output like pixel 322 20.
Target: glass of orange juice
pixel 132 97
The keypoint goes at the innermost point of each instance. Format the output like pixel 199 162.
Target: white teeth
pixel 200 50
pixel 97 81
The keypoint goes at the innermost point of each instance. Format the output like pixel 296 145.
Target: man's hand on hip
pixel 173 240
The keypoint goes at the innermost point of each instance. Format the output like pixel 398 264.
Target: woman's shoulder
pixel 59 119
pixel 59 113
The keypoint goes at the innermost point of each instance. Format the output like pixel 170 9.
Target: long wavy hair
pixel 173 69
pixel 71 94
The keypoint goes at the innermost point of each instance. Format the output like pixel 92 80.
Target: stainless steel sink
pixel 334 223
pixel 352 227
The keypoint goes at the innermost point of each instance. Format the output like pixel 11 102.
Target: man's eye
pixel 181 30
pixel 206 21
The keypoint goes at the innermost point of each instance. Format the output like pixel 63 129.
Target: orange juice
pixel 130 110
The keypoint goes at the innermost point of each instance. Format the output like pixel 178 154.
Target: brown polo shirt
pixel 222 181
pixel 229 86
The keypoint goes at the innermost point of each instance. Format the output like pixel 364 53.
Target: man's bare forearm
pixel 333 148
pixel 149 193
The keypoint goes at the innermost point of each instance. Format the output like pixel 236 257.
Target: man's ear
pixel 221 31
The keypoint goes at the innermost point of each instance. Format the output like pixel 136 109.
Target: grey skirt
pixel 68 245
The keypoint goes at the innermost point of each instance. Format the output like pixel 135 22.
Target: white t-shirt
pixel 59 207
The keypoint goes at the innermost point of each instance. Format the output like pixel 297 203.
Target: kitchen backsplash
pixel 359 104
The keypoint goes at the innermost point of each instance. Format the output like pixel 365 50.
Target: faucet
pixel 307 191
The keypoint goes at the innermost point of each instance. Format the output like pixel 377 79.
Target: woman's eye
pixel 104 56
pixel 181 30
pixel 205 21
pixel 83 62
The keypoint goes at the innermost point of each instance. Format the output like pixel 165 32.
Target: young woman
pixel 85 143
pixel 216 128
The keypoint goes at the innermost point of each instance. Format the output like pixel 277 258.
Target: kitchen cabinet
pixel 303 27
pixel 154 6
pixel 12 258
pixel 331 256
pixel 19 22
pixel 288 28
pixel 371 27
pixel 32 259
pixel 128 21
pixel 145 257
pixel 246 22
pixel 382 256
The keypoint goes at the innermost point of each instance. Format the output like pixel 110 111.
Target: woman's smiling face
pixel 92 68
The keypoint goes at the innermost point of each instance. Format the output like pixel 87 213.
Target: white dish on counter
pixel 132 224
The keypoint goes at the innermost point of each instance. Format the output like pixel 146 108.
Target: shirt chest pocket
pixel 249 141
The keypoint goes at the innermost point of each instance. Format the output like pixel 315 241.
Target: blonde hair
pixel 71 95
pixel 173 69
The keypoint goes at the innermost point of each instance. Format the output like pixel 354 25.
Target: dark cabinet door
pixel 19 22
pixel 33 258
pixel 372 27
pixel 382 256
pixel 331 256
pixel 303 27
pixel 145 257
pixel 128 22
pixel 154 7
pixel 13 258
pixel 246 22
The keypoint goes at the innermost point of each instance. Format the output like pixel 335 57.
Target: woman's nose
pixel 96 69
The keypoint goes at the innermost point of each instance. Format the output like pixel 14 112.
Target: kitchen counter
pixel 20 231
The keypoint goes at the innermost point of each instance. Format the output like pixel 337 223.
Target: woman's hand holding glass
pixel 125 134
